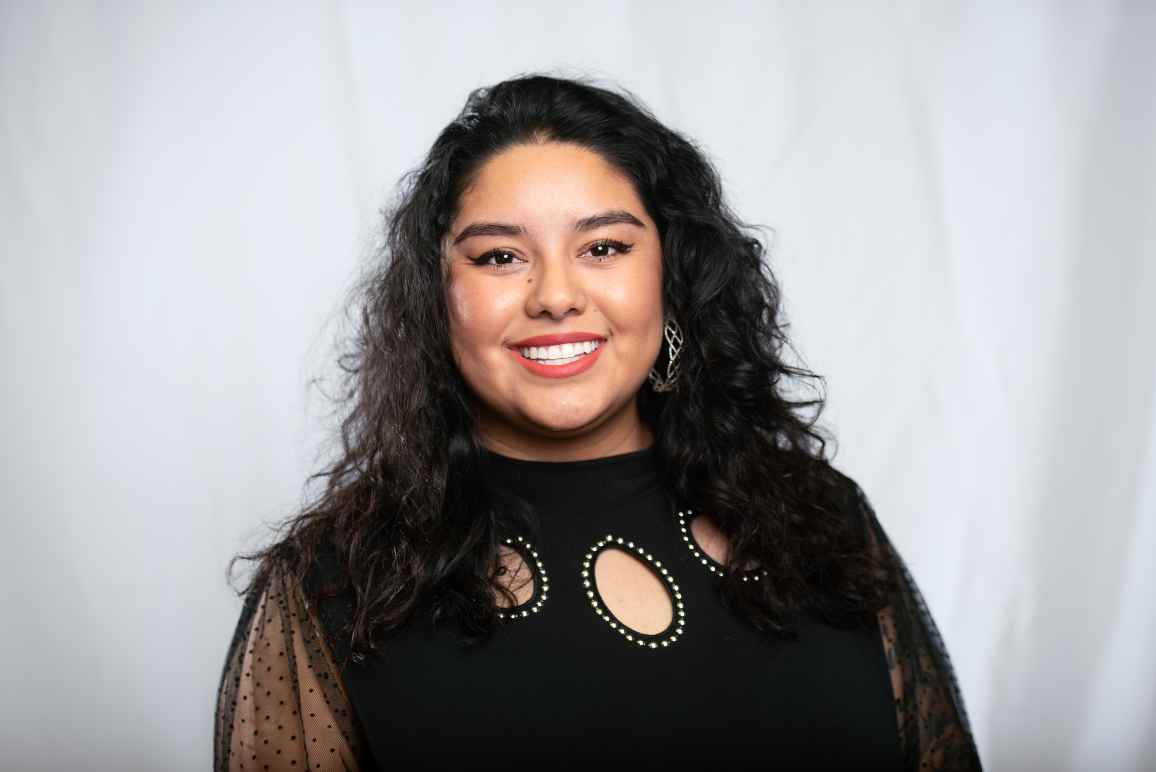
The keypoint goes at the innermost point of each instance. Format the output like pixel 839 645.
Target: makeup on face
pixel 558 356
pixel 555 292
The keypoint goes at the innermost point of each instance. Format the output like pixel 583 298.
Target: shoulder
pixel 327 587
pixel 847 485
pixel 303 574
pixel 847 497
pixel 861 526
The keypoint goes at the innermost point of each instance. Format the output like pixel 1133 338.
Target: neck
pixel 567 486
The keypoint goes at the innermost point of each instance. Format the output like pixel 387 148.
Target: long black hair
pixel 405 513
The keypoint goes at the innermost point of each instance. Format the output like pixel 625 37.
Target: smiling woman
pixel 568 277
pixel 576 519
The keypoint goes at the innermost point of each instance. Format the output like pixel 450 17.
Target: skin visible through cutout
pixel 515 575
pixel 632 592
pixel 709 539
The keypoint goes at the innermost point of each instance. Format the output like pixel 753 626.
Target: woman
pixel 576 520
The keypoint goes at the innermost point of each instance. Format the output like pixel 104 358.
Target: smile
pixel 559 361
pixel 561 354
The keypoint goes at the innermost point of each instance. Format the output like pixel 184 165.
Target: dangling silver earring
pixel 673 335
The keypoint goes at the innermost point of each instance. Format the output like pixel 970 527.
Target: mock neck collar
pixel 567 485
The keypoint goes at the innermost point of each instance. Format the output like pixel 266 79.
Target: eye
pixel 500 257
pixel 606 244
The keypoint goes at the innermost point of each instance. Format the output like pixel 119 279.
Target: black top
pixel 563 685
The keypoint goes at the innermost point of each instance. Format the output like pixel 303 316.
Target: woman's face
pixel 552 243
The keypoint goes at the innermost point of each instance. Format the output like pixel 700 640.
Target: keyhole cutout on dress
pixel 711 547
pixel 515 575
pixel 632 592
pixel 709 539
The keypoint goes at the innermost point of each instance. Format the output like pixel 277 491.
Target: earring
pixel 673 335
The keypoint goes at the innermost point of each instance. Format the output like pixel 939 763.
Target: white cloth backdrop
pixel 962 206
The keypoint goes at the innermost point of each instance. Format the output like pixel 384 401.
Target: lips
pixel 557 339
pixel 580 364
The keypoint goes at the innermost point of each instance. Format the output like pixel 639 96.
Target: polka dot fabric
pixel 932 721
pixel 281 705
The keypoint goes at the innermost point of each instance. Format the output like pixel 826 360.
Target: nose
pixel 556 290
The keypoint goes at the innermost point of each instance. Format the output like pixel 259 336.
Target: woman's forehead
pixel 550 186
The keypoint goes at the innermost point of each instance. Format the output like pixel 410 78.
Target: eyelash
pixel 482 261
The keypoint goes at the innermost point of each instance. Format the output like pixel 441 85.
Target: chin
pixel 551 419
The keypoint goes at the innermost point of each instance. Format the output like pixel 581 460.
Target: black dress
pixel 563 684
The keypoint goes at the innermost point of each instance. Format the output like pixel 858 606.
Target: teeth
pixel 560 354
pixel 562 361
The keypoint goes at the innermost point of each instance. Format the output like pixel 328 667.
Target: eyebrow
pixel 612 217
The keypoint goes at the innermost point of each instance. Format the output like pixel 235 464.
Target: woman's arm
pixel 281 704
pixel 933 725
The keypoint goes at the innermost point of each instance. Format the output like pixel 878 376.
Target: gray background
pixel 961 199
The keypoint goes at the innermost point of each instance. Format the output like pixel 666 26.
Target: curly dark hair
pixel 406 514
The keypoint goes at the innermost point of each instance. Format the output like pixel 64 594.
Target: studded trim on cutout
pixel 646 640
pixel 715 567
pixel 541 581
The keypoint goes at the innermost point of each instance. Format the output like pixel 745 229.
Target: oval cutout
pixel 632 592
pixel 709 539
pixel 710 546
pixel 515 575
pixel 624 577
pixel 519 572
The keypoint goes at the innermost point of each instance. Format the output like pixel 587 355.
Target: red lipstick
pixel 557 339
pixel 579 365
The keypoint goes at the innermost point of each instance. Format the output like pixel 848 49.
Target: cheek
pixel 635 308
pixel 476 314
pixel 463 308
pixel 460 305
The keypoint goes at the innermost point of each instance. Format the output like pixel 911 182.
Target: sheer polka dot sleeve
pixel 933 725
pixel 281 704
